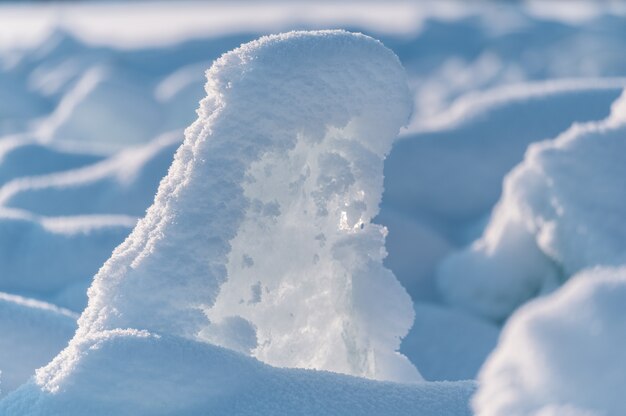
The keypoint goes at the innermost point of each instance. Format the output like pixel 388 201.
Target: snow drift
pixel 262 225
pixel 563 354
pixel 561 211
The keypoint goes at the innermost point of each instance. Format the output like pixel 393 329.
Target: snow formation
pixel 561 211
pixel 262 225
pixel 563 354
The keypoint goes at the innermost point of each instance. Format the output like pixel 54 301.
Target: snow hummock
pixel 562 354
pixel 561 211
pixel 259 240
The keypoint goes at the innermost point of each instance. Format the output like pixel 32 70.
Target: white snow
pixel 215 227
pixel 261 173
pixel 563 354
pixel 561 211
pixel 129 372
pixel 32 334
pixel 93 100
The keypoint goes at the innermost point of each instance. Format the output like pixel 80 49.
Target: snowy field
pixel 316 223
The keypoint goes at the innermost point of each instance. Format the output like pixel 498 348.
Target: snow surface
pixel 32 334
pixel 562 210
pixel 301 177
pixel 212 208
pixel 129 372
pixel 93 93
pixel 562 354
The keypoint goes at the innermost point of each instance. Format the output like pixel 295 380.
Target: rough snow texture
pixel 562 210
pixel 563 354
pixel 32 333
pixel 128 373
pixel 268 204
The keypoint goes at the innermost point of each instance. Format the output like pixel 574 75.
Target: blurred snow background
pixel 94 97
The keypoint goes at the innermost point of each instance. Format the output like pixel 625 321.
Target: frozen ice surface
pixel 562 210
pixel 562 354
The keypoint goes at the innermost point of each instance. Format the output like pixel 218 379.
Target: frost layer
pixel 563 354
pixel 263 221
pixel 562 210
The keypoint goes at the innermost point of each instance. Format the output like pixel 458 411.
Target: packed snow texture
pixel 562 354
pixel 562 211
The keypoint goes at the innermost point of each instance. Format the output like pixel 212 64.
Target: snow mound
pixel 563 354
pixel 562 210
pixel 129 372
pixel 31 334
pixel 263 222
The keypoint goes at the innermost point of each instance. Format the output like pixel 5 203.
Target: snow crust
pixel 562 354
pixel 561 212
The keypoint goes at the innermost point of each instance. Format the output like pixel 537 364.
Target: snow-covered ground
pixel 332 210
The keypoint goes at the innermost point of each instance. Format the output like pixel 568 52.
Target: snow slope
pixel 561 212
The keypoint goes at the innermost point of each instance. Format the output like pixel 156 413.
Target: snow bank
pixel 563 354
pixel 562 210
pixel 128 372
pixel 31 334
